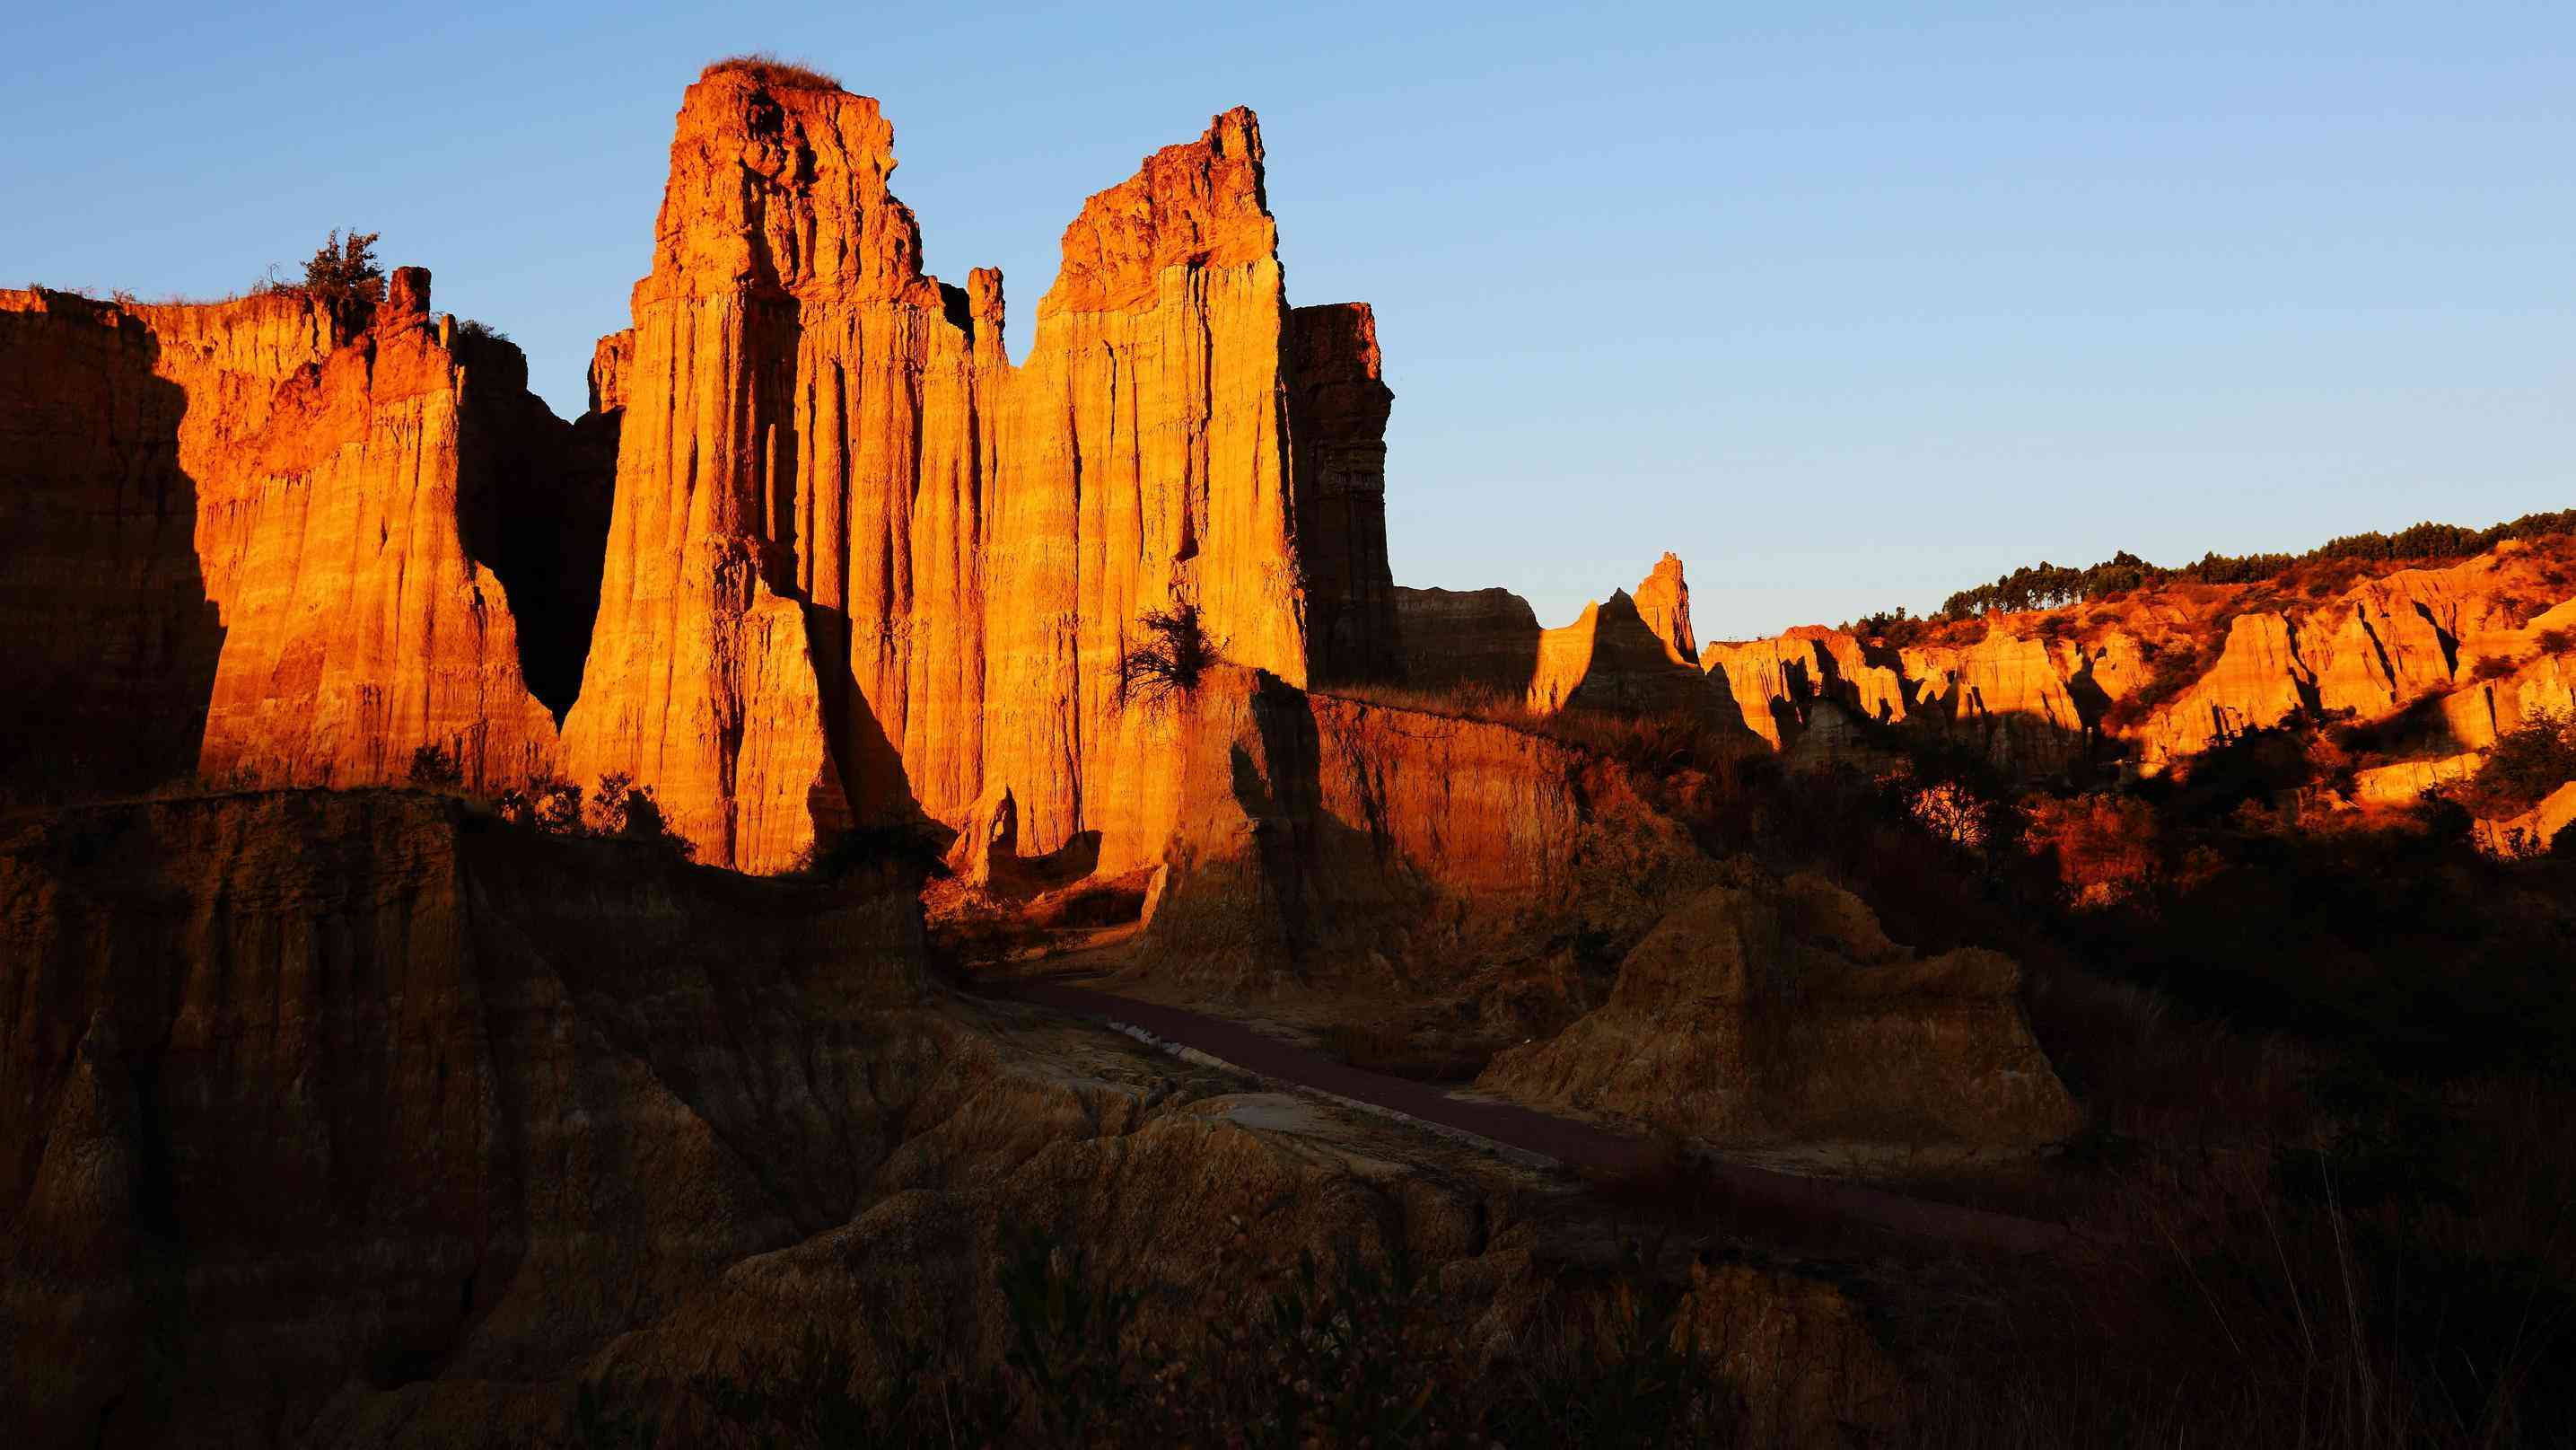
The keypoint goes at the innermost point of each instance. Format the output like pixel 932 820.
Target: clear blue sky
pixel 1848 305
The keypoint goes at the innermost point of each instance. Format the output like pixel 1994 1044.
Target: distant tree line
pixel 2046 586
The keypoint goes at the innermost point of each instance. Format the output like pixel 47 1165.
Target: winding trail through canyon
pixel 1567 1141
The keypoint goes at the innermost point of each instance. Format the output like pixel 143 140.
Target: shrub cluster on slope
pixel 2526 764
pixel 1349 1350
pixel 620 809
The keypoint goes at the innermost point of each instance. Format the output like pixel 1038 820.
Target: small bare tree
pixel 1171 653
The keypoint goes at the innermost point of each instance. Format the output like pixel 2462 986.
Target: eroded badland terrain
pixel 864 892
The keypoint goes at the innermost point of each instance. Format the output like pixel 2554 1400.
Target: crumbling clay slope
pixel 328 1093
pixel 2165 673
pixel 1766 1009
pixel 354 1118
pixel 1363 854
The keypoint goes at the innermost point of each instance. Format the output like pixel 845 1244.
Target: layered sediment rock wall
pixel 334 1124
pixel 358 626
pixel 259 546
pixel 325 1094
pixel 1614 657
pixel 1770 682
pixel 769 415
pixel 1628 653
pixel 1148 468
pixel 109 656
pixel 850 561
pixel 1332 842
pixel 1663 601
pixel 1481 642
pixel 2484 645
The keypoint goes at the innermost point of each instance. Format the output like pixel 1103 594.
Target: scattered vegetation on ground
pixel 2524 766
pixel 834 855
pixel 2171 669
pixel 1348 1348
pixel 620 810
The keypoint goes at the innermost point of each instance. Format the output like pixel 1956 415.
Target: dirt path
pixel 1573 1143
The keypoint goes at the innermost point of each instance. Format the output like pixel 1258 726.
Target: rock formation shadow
pixel 875 786
pixel 108 665
pixel 873 781
pixel 1316 869
pixel 1623 667
pixel 1337 412
pixel 1021 878
pixel 1467 641
pixel 533 500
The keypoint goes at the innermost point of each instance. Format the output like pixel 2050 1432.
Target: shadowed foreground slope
pixel 363 1119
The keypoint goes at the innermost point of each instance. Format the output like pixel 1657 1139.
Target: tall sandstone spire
pixel 1146 467
pixel 784 348
pixel 1663 601
pixel 843 516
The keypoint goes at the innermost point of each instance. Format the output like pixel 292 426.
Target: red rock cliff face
pixel 2481 645
pixel 112 637
pixel 1630 653
pixel 1627 653
pixel 358 628
pixel 1663 601
pixel 1480 642
pixel 260 527
pixel 1321 839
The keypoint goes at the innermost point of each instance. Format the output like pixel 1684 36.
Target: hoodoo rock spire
pixel 861 561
